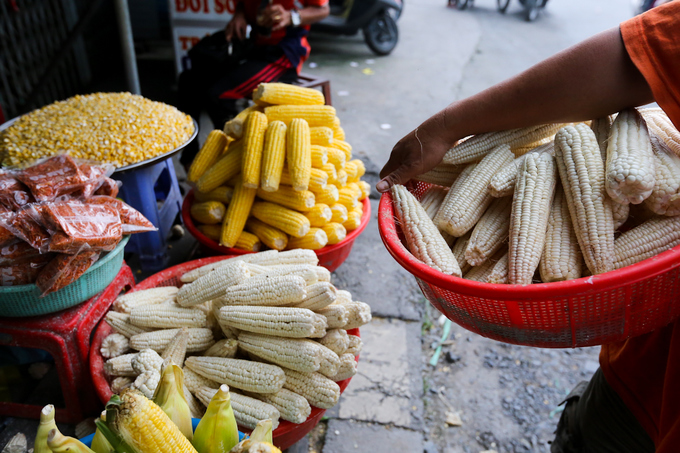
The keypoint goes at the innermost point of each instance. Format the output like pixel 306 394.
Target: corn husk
pixel 169 396
pixel 217 431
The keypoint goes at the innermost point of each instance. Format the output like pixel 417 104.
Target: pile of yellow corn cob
pixel 549 203
pixel 281 174
pixel 270 325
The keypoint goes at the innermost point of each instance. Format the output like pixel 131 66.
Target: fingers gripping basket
pixel 587 311
pixel 285 435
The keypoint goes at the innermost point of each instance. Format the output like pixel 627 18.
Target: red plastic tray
pixel 588 311
pixel 285 435
pixel 330 257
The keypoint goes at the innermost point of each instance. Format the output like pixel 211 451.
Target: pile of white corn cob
pixel 549 203
pixel 270 325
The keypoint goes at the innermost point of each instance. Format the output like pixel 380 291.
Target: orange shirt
pixel 645 370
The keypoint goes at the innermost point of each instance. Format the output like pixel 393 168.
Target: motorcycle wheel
pixel 381 34
pixel 531 10
pixel 462 4
pixel 502 5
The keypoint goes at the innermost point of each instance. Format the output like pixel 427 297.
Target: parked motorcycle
pixel 531 7
pixel 377 19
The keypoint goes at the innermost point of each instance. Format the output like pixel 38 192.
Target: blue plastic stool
pixel 153 191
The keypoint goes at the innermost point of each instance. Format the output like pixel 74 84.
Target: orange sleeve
pixel 314 2
pixel 653 43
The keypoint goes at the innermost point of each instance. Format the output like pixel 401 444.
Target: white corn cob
pixel 336 315
pixel 665 198
pixel 355 345
pixel 176 350
pixel 147 382
pixel 120 322
pixel 330 361
pixel 336 340
pixel 319 295
pixel 582 175
pixel 561 258
pixel 344 296
pixel 114 345
pixel 120 383
pixel 442 175
pixel 529 218
pixel 480 145
pixel 262 258
pixel 490 233
pixel 602 128
pixel 499 271
pixel 358 314
pixel 126 302
pixel 466 202
pixel 265 290
pixel 305 271
pixel 195 407
pixel 292 407
pixel 458 249
pixel 481 273
pixel 620 213
pixel 647 240
pixel 120 366
pixel 659 123
pixel 243 374
pixel 199 340
pixel 629 169
pixel 503 183
pixel 277 321
pixel 322 274
pixel 320 391
pixel 225 348
pixel 296 354
pixel 194 381
pixel 422 236
pixel 165 316
pixel 147 360
pixel 213 285
pixel 347 368
pixel 432 200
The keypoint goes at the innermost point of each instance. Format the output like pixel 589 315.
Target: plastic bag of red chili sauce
pixel 108 187
pixel 17 252
pixel 27 225
pixel 95 175
pixel 52 177
pixel 13 194
pixel 133 221
pixel 24 273
pixel 82 224
pixel 64 269
pixel 6 236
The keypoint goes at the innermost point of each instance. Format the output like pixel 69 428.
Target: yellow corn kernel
pixel 211 231
pixel 234 127
pixel 365 190
pixel 230 141
pixel 273 156
pixel 237 214
pixel 344 147
pixel 283 93
pixel 222 194
pixel 208 212
pixel 226 168
pixel 319 156
pixel 335 232
pixel 248 241
pixel 322 135
pixel 253 136
pixel 328 195
pixel 315 115
pixel 340 213
pixel 336 157
pixel 302 200
pixel 319 215
pixel 286 220
pixel 208 155
pixel 338 131
pixel 341 178
pixel 353 220
pixel 299 154
pixel 331 172
pixel 317 179
pixel 270 236
pixel 314 240
pixel 361 168
pixel 348 197
pixel 352 170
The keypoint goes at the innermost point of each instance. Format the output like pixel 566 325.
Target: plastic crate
pixel 287 433
pixel 25 300
pixel 330 257
pixel 588 311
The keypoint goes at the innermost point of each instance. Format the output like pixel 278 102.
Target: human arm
pixel 237 25
pixel 590 80
pixel 277 17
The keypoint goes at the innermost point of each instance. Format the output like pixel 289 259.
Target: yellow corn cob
pixel 561 259
pixel 353 219
pixel 283 93
pixel 291 406
pixel 322 135
pixel 317 389
pixel 166 316
pixel 234 127
pixel 244 374
pixel 365 190
pixel 222 171
pixel 126 302
pixel 317 180
pixel 647 240
pixel 319 295
pixel 270 236
pixel 319 215
pixel 422 237
pixel 602 128
pixel 665 197
pixel 286 322
pixel 480 145
pixel 335 232
pixel 354 187
pixel 352 171
pixel 237 214
pixel 315 239
pixel 299 154
pixel 582 174
pixel 286 220
pixel 230 141
pixel 659 123
pixel 345 147
pixel 331 172
pixel 315 115
pixel 339 213
pixel 629 170
pixel 466 201
pixel 490 233
pixel 298 200
pixel 319 156
pixel 213 232
pixel 340 178
pixel 208 155
pixel 336 157
pixel 208 212
pixel 222 194
pixel 253 136
pixel 273 156
pixel 361 168
pixel 531 203
pixel 248 241
pixel 120 322
pixel 295 354
pixel 266 290
pixel 329 195
pixel 348 198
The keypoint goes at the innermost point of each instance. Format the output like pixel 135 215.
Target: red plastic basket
pixel 285 435
pixel 588 311
pixel 330 257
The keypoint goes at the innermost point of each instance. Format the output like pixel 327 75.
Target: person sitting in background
pixel 278 48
